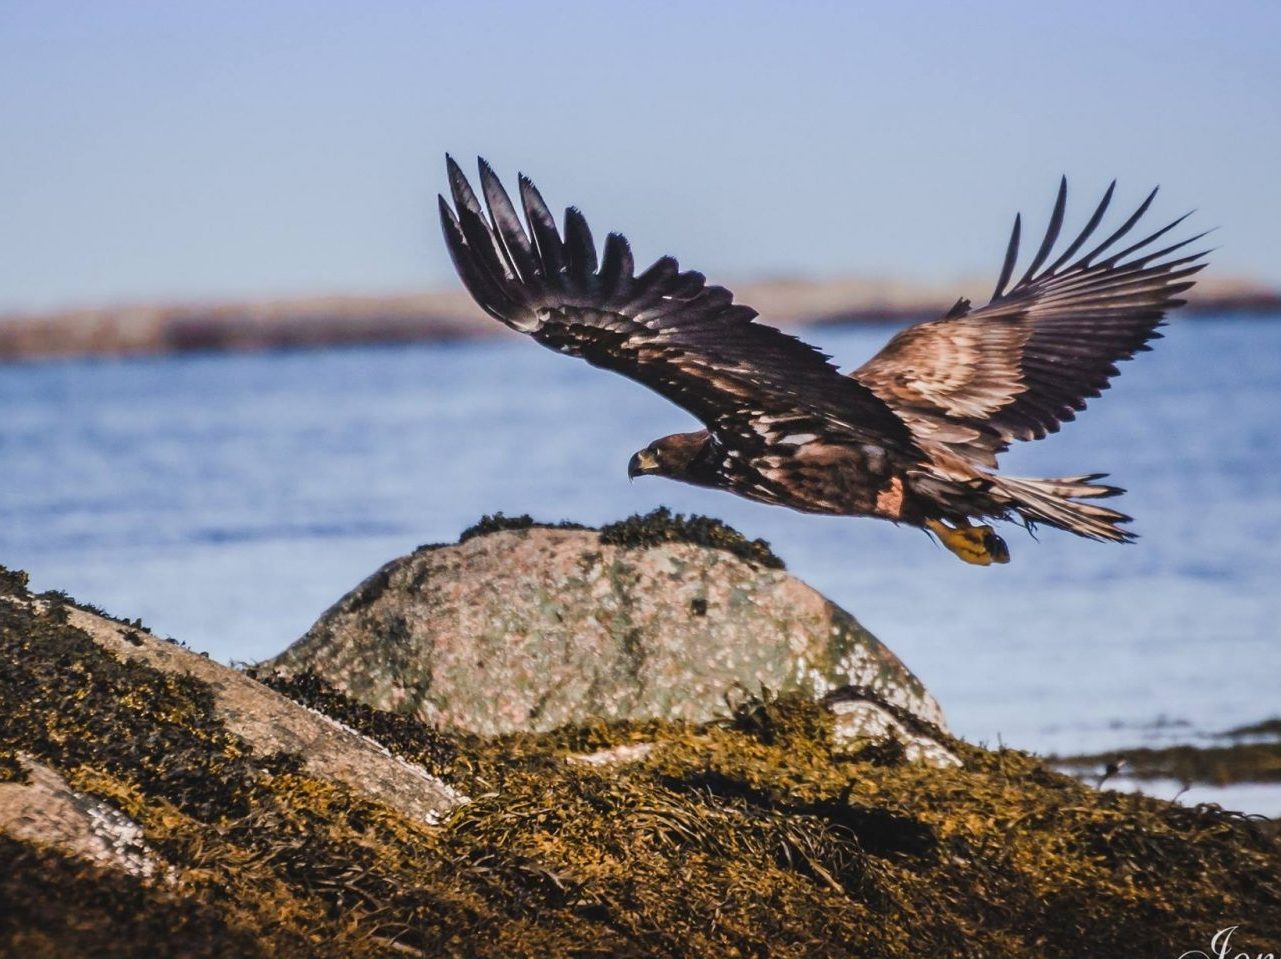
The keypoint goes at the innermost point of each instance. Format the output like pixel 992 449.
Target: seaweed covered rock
pixel 151 821
pixel 528 627
pixel 39 806
pixel 71 679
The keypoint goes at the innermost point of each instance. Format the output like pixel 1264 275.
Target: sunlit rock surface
pixel 529 629
pixel 39 806
pixel 260 719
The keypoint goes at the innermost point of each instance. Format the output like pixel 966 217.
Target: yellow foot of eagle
pixel 975 544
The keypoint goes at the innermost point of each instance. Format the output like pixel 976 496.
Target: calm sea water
pixel 229 499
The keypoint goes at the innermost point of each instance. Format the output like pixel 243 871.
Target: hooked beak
pixel 642 463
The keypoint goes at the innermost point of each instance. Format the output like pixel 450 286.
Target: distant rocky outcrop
pixel 527 627
pixel 317 321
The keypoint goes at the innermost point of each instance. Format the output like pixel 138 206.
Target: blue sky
pixel 231 149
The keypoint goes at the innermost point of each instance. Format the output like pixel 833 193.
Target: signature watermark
pixel 1221 948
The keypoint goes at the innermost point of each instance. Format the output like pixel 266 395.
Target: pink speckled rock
pixel 533 629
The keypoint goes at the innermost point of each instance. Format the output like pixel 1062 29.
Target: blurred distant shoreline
pixel 149 329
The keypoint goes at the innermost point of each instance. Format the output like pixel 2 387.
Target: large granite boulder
pixel 526 627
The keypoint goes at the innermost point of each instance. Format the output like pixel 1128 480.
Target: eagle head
pixel 675 456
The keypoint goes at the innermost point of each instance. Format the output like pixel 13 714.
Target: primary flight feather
pixel 911 436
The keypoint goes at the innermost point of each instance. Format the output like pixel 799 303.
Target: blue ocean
pixel 229 499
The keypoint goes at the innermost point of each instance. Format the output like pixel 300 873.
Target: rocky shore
pixel 1251 754
pixel 140 329
pixel 775 782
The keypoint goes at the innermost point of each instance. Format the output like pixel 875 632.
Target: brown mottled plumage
pixel 911 436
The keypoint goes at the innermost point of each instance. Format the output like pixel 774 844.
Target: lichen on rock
pixel 530 626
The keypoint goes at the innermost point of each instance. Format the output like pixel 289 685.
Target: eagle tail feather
pixel 1057 503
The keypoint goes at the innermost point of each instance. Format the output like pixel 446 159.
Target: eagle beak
pixel 642 463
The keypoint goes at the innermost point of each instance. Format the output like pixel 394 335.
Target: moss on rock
pixel 662 526
pixel 643 530
pixel 755 835
pixel 56 905
pixel 13 582
pixel 497 523
pixel 402 735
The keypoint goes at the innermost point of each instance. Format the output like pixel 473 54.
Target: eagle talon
pixel 978 545
pixel 996 547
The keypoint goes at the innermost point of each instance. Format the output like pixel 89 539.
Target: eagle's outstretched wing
pixel 667 329
pixel 1024 364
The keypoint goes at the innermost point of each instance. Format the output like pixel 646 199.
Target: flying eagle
pixel 911 436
